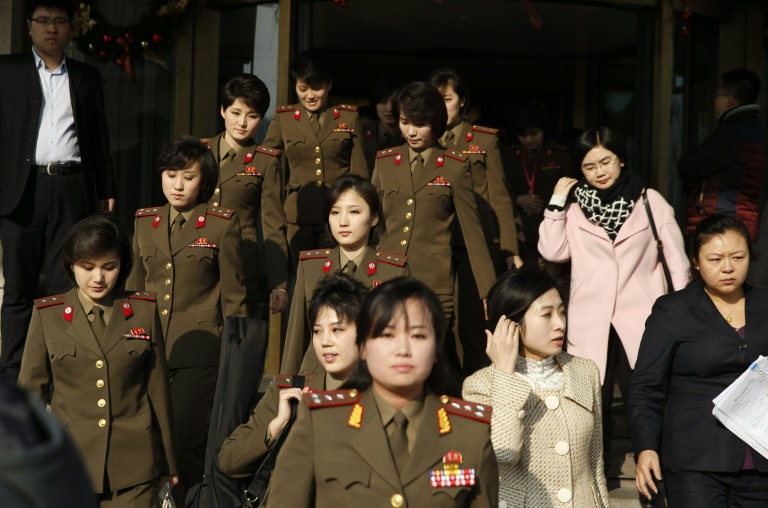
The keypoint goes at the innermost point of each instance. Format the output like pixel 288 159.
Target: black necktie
pixel 98 325
pixel 178 224
pixel 398 441
pixel 349 268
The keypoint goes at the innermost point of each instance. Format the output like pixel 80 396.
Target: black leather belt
pixel 59 168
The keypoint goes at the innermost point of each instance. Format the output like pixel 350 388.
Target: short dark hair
pixel 530 116
pixel 386 86
pixel 339 292
pixel 64 5
pixel 94 237
pixel 448 76
pixel 742 84
pixel 185 151
pixel 380 306
pixel 365 190
pixel 591 138
pixel 717 224
pixel 249 89
pixel 422 104
pixel 313 68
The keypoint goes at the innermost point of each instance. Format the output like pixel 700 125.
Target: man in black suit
pixel 55 166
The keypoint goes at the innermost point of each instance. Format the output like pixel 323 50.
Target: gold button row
pixel 100 383
pixel 102 423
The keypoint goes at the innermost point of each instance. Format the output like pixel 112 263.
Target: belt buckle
pixel 48 168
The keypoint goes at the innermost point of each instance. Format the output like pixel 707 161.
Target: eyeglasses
pixel 587 168
pixel 45 22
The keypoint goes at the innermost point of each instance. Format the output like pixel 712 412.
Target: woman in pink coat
pixel 600 224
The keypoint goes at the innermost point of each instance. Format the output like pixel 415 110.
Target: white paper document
pixel 743 406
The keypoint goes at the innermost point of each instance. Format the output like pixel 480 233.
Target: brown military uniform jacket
pixel 494 203
pixel 255 181
pixel 377 267
pixel 420 209
pixel 315 162
pixel 377 138
pixel 197 287
pixel 111 394
pixel 338 454
pixel 545 168
pixel 242 452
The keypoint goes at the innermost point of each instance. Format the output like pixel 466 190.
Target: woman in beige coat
pixel 546 421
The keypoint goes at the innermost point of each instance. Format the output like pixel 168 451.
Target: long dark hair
pixel 380 306
pixel 94 237
pixel 365 190
pixel 717 224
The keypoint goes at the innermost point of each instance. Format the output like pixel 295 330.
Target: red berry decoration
pixel 129 37
pixel 106 38
pixel 157 38
pixel 103 54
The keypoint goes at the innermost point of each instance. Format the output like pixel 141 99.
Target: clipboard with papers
pixel 743 407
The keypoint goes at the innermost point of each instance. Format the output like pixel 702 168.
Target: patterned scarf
pixel 609 208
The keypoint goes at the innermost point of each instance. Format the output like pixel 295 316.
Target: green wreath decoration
pixel 127 45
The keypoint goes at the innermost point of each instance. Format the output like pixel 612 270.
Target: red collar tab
pixel 440 161
pixel 371 268
pixel 327 266
pixel 68 312
pixel 127 310
pixel 336 113
pixel 297 115
pixel 470 136
pixel 200 221
pixel 248 157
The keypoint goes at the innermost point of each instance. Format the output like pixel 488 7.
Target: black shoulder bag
pixel 659 244
pixel 256 491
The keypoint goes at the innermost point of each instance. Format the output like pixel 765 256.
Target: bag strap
pixel 253 495
pixel 659 244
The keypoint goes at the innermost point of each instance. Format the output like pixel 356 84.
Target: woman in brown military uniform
pixel 353 218
pixel 480 144
pixel 333 309
pixel 249 179
pixel 320 142
pixel 385 133
pixel 96 354
pixel 189 253
pixel 388 438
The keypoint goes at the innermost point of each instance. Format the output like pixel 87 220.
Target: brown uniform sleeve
pixel 500 199
pixel 159 393
pixel 487 495
pixel 274 138
pixel 35 374
pixel 294 348
pixel 466 210
pixel 358 163
pixel 231 270
pixel 135 280
pixel 293 480
pixel 242 452
pixel 273 223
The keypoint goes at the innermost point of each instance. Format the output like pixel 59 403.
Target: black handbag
pixel 659 245
pixel 256 491
pixel 241 365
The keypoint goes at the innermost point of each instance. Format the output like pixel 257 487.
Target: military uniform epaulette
pixel 386 153
pixel 286 108
pixel 392 259
pixel 148 212
pixel 217 211
pixel 206 141
pixel 461 407
pixel 485 130
pixel 314 254
pixel 149 296
pixel 48 301
pixel 453 154
pixel 332 398
pixel 286 380
pixel 345 107
pixel 274 152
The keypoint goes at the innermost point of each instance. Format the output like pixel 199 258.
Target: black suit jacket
pixel 688 355
pixel 21 100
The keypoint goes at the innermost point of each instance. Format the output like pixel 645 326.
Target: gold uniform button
pixel 102 423
pixel 397 501
pixel 99 364
pixel 164 312
pixel 100 383
pixel 317 149
pixel 403 242
pixel 319 172
pixel 406 229
pixel 409 202
pixel 318 160
pixel 215 203
pixel 217 190
pixel 102 403
pixel 167 282
pixel 168 266
pixel 408 215
pixel 167 297
pixel 319 183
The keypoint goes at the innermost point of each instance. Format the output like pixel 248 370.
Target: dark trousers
pixel 143 495
pixel 697 489
pixel 192 391
pixel 617 366
pixel 32 237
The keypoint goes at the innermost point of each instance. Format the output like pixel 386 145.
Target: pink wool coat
pixel 613 283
